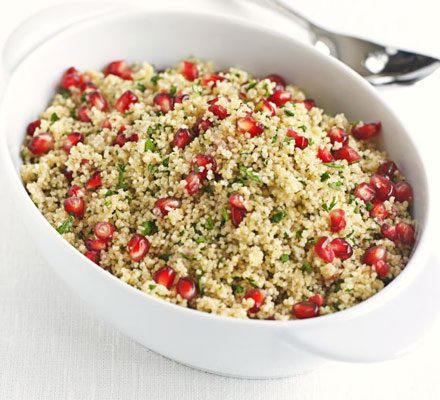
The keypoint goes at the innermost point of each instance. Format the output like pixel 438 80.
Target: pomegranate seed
pixel 193 183
pixel 164 102
pixel 94 181
pixel 202 163
pixel 387 168
pixel 324 250
pixel 167 204
pixel 211 80
pixel 219 111
pixel 341 248
pixel 96 244
pixel 87 86
pixel 383 187
pixel 72 139
pixel 104 230
pixel 97 100
pixel 120 139
pixel 405 233
pixel 92 255
pixel 134 137
pixel 187 288
pixel 305 309
pixel 237 215
pixel 325 155
pixel 106 124
pixel 257 296
pixel 75 191
pixel 84 114
pixel 124 102
pixel 374 254
pixel 32 127
pixel 389 232
pixel 265 106
pixel 280 97
pixel 300 141
pixel 318 299
pixel 75 206
pixel 365 192
pixel 72 77
pixel 279 81
pixel 201 126
pixel 379 211
pixel 138 247
pixel 347 153
pixel 236 200
pixel 382 268
pixel 165 276
pixel 403 192
pixel 366 131
pixel 249 125
pixel 181 139
pixel 337 135
pixel 308 103
pixel 41 143
pixel 67 174
pixel 180 98
pixel 119 68
pixel 337 220
pixel 189 70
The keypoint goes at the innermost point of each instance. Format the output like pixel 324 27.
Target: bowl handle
pixel 384 333
pixel 46 23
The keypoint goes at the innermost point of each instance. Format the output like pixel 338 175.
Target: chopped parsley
pixel 369 206
pixel 154 79
pixel 225 215
pixel 140 86
pixel 303 128
pixel 330 206
pixel 274 138
pixel 199 282
pixel 289 113
pixel 148 228
pixel 66 226
pixel 165 256
pixel 121 177
pixel 152 168
pixel 306 267
pixel 311 141
pixel 284 258
pixel 278 216
pixel 149 145
pixel 54 118
pixel 109 193
pixel 165 161
pixel 237 289
pixel 325 176
pixel 335 185
pixel 252 84
pixel 249 173
pixel 253 283
pixel 334 165
pixel 173 90
pixel 151 286
pixel 200 239
pixel 65 93
pixel 209 223
pixel 207 189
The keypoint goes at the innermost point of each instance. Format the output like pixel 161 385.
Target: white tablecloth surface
pixel 53 347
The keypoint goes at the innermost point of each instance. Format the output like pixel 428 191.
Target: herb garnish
pixel 278 216
pixel 249 173
pixel 334 165
pixel 65 93
pixel 140 86
pixel 155 79
pixel 209 223
pixel 335 185
pixel 330 206
pixel 325 176
pixel 289 113
pixel 54 118
pixel 149 145
pixel 121 177
pixel 173 90
pixel 66 226
pixel 306 267
pixel 284 258
pixel 148 228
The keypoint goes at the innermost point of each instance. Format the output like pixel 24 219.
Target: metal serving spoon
pixel 379 64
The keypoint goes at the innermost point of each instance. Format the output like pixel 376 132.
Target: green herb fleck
pixel 149 145
pixel 225 215
pixel 325 176
pixel 148 228
pixel 252 84
pixel 369 206
pixel 140 86
pixel 306 267
pixel 152 168
pixel 121 177
pixel 253 283
pixel 66 226
pixel 237 289
pixel 249 173
pixel 109 193
pixel 165 161
pixel 199 282
pixel 274 138
pixel 65 93
pixel 278 216
pixel 284 258
pixel 209 223
pixel 165 256
pixel 173 90
pixel 302 127
pixel 330 206
pixel 335 185
pixel 289 113
pixel 334 165
pixel 350 235
pixel 311 141
pixel 54 118
pixel 151 286
pixel 155 79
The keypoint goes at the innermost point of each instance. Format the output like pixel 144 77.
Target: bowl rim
pixel 420 250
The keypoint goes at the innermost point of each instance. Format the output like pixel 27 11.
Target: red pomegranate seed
pixel 75 191
pixel 97 100
pixel 405 233
pixel 382 268
pixel 201 126
pixel 366 131
pixel 125 101
pixel 337 135
pixel 96 244
pixel 41 143
pixel 167 204
pixel 219 111
pixel 305 309
pixel 134 137
pixel 265 106
pixel 87 87
pixel 389 232
pixel 387 168
pixel 237 215
pixel 32 127
pixel 104 230
pixel 181 139
pixel 308 103
pixel 165 276
pixel 279 81
pixel 163 102
pixel 92 256
pixel 119 68
pixel 72 77
pixel 318 299
pixel 106 124
pixel 211 80
pixel 187 288
pixel 249 125
pixel 337 220
pixel 138 247
pixel 257 296
pixel 202 163
pixel 341 248
pixel 180 98
pixel 379 211
pixel 365 192
pixel 347 153
pixel 300 141
pixel 383 187
pixel 120 139
pixel 67 174
pixel 280 97
pixel 374 254
pixel 94 181
pixel 72 139
pixel 84 114
pixel 75 206
pixel 193 183
pixel 324 250
pixel 236 200
pixel 325 155
pixel 189 70
pixel 403 192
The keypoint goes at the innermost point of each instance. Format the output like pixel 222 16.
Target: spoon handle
pixel 282 7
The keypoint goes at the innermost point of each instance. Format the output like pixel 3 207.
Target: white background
pixel 52 347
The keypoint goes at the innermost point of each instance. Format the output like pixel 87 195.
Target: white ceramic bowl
pixel 377 329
